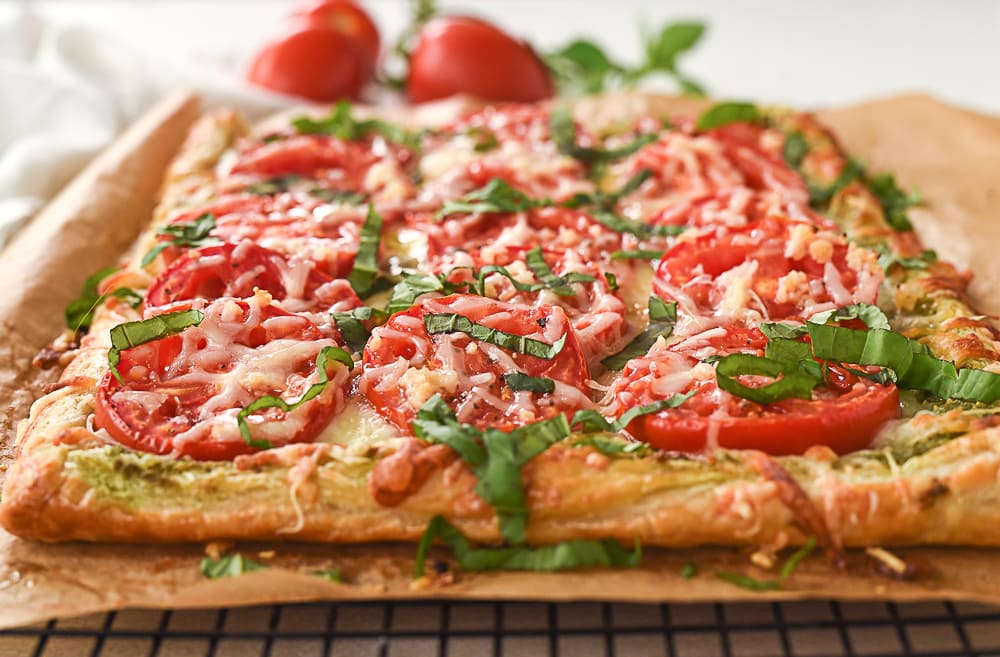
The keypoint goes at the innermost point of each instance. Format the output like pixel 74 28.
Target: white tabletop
pixel 788 51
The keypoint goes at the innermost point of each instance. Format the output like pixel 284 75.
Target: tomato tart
pixel 538 335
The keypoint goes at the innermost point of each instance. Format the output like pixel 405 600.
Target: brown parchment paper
pixel 951 155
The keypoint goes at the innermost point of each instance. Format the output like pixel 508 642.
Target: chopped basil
pixel 79 313
pixel 887 259
pixel 820 197
pixel 349 324
pixel 270 401
pixel 613 445
pixel 775 330
pixel 872 316
pixel 484 140
pixel 272 185
pixel 753 584
pixel 329 574
pixel 893 199
pixel 558 284
pixel 132 334
pixel 563 131
pixel 620 224
pixel 338 196
pixel 365 269
pixel 795 149
pixel 521 381
pixel 495 196
pixel 452 323
pixel 791 380
pixel 662 317
pixel 406 292
pixel 229 566
pixel 608 200
pixel 637 254
pixel 612 281
pixel 568 555
pixel 722 114
pixel 184 234
pixel 495 457
pixel 342 124
pixel 689 570
pixel 593 421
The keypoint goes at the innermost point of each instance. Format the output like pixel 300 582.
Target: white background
pixel 799 52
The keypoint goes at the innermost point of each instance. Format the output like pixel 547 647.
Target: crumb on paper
pixel 215 549
pixel 266 554
pixel 763 559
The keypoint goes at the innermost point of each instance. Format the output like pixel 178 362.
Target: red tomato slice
pixel 231 270
pixel 404 365
pixel 757 153
pixel 734 208
pixel 772 269
pixel 311 156
pixel 462 55
pixel 559 228
pixel 180 395
pixel 596 313
pixel 844 416
pixel 291 226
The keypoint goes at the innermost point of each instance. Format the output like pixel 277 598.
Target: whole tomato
pixel 313 62
pixel 347 18
pixel 459 54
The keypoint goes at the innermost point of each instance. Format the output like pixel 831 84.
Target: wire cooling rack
pixel 464 629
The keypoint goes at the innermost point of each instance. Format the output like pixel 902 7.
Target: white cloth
pixel 67 91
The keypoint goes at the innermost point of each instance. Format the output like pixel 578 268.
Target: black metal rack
pixel 459 629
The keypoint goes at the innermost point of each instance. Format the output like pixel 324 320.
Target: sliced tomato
pixel 231 270
pixel 289 225
pixel 595 311
pixel 404 365
pixel 181 394
pixel 845 415
pixel 757 152
pixel 311 156
pixel 560 228
pixel 773 269
pixel 739 206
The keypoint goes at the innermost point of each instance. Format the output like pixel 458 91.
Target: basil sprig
pixel 351 328
pixel 342 124
pixel 494 196
pixel 79 313
pixel 326 354
pixel 591 421
pixel 522 381
pixel 563 131
pixel 132 334
pixel 186 234
pixel 662 317
pixel 452 323
pixel 568 555
pixel 722 114
pixel 495 457
pixel 365 269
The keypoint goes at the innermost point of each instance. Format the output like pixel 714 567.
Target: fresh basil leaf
pixel 613 445
pixel 495 196
pixel 820 197
pixel 795 149
pixel 495 457
pixel 406 292
pixel 641 230
pixel 132 334
pixel 894 200
pixel 558 284
pixel 355 333
pixel 563 131
pixel 872 316
pixel 689 570
pixel 342 124
pixel 723 114
pixel 591 421
pixel 452 323
pixel 637 254
pixel 230 565
pixel 790 379
pixel 612 281
pixel 521 381
pixel 326 354
pixel 79 313
pixel 662 316
pixel 674 40
pixel 777 330
pixel 365 269
pixel 568 555
pixel 192 234
pixel 887 259
pixel 583 66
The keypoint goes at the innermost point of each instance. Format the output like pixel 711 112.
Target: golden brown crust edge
pixel 573 492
